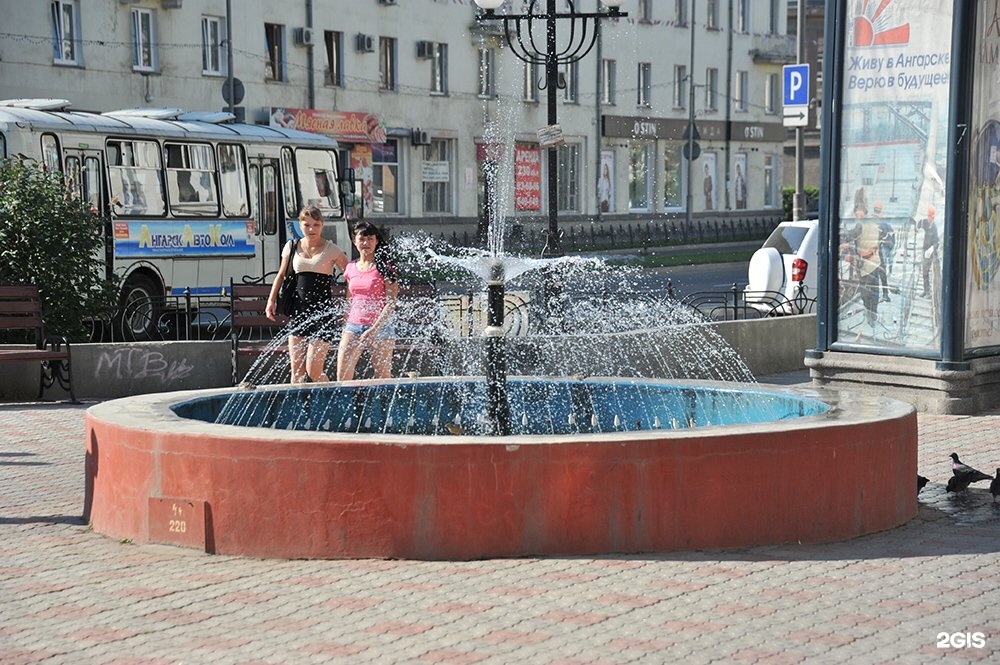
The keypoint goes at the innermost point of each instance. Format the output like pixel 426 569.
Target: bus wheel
pixel 140 308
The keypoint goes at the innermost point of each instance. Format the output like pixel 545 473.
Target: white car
pixel 789 258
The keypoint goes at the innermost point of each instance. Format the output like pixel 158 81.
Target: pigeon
pixel 963 475
pixel 454 429
pixel 921 481
pixel 995 486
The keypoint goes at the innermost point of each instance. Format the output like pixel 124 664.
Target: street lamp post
pixel 519 34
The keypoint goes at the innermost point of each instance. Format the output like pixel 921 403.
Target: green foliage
pixel 788 199
pixel 55 242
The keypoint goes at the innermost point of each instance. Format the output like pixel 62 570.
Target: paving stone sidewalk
pixel 69 595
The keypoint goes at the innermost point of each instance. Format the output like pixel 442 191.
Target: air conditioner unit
pixel 364 43
pixel 419 137
pixel 425 50
pixel 303 36
pixel 387 2
pixel 171 4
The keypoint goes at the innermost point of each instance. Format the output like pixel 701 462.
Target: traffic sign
pixel 795 116
pixel 796 85
pixel 695 148
pixel 795 95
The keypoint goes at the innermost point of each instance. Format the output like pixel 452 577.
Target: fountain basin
pixel 153 475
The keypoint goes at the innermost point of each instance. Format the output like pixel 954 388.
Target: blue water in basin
pixel 549 406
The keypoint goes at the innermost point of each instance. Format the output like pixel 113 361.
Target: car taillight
pixel 799 268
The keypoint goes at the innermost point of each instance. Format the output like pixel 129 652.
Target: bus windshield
pixel 317 171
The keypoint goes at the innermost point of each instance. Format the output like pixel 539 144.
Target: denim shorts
pixel 388 331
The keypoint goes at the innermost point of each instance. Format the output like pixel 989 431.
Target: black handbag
pixel 286 294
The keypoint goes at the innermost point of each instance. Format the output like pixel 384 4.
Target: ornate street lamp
pixel 520 36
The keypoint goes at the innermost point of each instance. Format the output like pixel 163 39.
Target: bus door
pixel 85 180
pixel 269 234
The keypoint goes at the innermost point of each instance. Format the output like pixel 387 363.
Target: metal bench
pixel 21 309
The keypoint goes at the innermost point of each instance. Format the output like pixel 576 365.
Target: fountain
pixel 621 424
pixel 675 451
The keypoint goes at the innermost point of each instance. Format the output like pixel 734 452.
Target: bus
pixel 191 200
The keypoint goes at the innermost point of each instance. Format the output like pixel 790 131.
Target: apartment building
pixel 423 99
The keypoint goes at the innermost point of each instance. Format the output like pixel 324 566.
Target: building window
pixel 213 55
pixel 487 75
pixel 66 46
pixel 672 176
pixel 680 86
pixel 608 81
pixel 743 16
pixel 436 172
pixel 773 24
pixel 769 181
pixel 712 15
pixel 771 94
pixel 681 11
pixel 740 96
pixel 645 84
pixel 568 178
pixel 571 82
pixel 385 177
pixel 334 42
pixel 386 63
pixel 530 82
pixel 639 177
pixel 645 10
pixel 143 40
pixel 712 89
pixel 274 40
pixel 439 70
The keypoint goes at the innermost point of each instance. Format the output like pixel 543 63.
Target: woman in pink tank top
pixel 372 289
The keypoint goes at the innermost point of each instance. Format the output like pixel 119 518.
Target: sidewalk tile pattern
pixel 69 595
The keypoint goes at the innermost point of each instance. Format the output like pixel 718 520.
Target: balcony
pixel 773 49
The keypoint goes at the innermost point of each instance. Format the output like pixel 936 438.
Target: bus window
pixel 50 153
pixel 317 170
pixel 74 183
pixel 3 147
pixel 288 184
pixel 136 186
pixel 255 197
pixel 232 179
pixel 191 180
pixel 92 182
pixel 269 207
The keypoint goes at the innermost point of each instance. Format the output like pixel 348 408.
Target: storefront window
pixel 672 174
pixel 568 180
pixel 435 173
pixel 639 177
pixel 385 177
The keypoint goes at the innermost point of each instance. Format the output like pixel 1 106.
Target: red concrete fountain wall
pixel 152 476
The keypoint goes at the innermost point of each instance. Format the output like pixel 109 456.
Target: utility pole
pixel 799 199
pixel 690 143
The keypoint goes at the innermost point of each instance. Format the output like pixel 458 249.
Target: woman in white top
pixel 313 325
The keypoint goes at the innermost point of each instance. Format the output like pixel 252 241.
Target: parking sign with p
pixel 795 95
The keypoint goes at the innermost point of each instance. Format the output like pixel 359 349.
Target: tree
pixel 54 241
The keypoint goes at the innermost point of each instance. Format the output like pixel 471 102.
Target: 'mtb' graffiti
pixel 139 364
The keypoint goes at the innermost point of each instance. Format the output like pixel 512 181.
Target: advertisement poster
pixel 982 289
pixel 343 125
pixel 740 180
pixel 709 180
pixel 361 162
pixel 134 240
pixel 527 178
pixel 606 183
pixel 897 63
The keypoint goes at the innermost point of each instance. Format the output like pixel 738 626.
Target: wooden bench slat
pixel 21 309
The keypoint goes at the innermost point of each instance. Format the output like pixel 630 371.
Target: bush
pixel 788 198
pixel 55 242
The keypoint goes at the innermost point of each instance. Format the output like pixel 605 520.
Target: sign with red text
pixel 343 125
pixel 527 178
